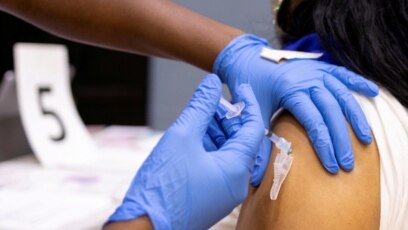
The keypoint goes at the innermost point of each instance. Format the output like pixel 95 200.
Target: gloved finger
pixel 229 126
pixel 261 162
pixel 303 109
pixel 248 138
pixel 330 111
pixel 355 82
pixel 216 133
pixel 199 112
pixel 351 109
pixel 209 144
pixel 220 113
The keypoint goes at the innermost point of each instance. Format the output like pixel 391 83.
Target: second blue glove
pixel 314 92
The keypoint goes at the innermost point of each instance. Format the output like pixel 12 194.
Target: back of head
pixel 367 36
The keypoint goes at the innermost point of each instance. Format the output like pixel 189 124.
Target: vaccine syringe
pixel 235 110
pixel 283 160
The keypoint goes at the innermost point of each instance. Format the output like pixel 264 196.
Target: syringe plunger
pixel 234 110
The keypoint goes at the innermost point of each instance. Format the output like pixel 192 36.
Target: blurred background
pixel 124 99
pixel 109 86
pixel 112 87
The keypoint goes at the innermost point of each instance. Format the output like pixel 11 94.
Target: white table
pixel 34 197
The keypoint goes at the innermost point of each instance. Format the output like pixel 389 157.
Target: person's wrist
pixel 5 4
pixel 230 55
pixel 142 223
pixel 13 5
pixel 131 210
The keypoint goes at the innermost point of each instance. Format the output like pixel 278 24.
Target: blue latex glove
pixel 314 92
pixel 183 186
pixel 220 129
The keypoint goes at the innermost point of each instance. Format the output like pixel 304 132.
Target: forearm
pixel 151 27
pixel 142 223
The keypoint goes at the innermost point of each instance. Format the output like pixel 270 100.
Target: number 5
pixel 46 112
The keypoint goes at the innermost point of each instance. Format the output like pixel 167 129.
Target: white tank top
pixel 389 123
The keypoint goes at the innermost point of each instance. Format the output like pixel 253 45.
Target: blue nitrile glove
pixel 314 92
pixel 183 186
pixel 220 129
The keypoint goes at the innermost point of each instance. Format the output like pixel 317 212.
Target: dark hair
pixel 369 37
pixel 295 18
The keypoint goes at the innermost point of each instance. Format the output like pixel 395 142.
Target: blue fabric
pixel 309 43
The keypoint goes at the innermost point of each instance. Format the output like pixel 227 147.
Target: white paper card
pixel 281 55
pixel 51 121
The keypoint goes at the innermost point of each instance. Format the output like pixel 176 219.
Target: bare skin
pixel 163 28
pixel 311 198
pixel 142 223
pixel 150 27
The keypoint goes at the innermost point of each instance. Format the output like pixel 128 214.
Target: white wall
pixel 171 83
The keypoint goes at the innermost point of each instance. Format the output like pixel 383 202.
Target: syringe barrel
pixel 228 105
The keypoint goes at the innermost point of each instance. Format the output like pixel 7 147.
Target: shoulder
pixel 310 197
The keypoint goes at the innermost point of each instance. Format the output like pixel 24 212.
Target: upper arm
pixel 310 197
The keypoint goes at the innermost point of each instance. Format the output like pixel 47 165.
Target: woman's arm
pixel 311 198
pixel 152 27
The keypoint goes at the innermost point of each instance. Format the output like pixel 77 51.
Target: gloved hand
pixel 220 129
pixel 183 186
pixel 314 92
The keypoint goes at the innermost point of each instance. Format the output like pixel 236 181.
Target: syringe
pixel 235 110
pixel 280 142
pixel 283 160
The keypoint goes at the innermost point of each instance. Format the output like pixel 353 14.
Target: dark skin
pixel 142 223
pixel 137 26
pixel 311 198
pixel 149 27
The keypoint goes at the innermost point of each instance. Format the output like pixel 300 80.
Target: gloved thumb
pixel 248 138
pixel 261 162
pixel 199 112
